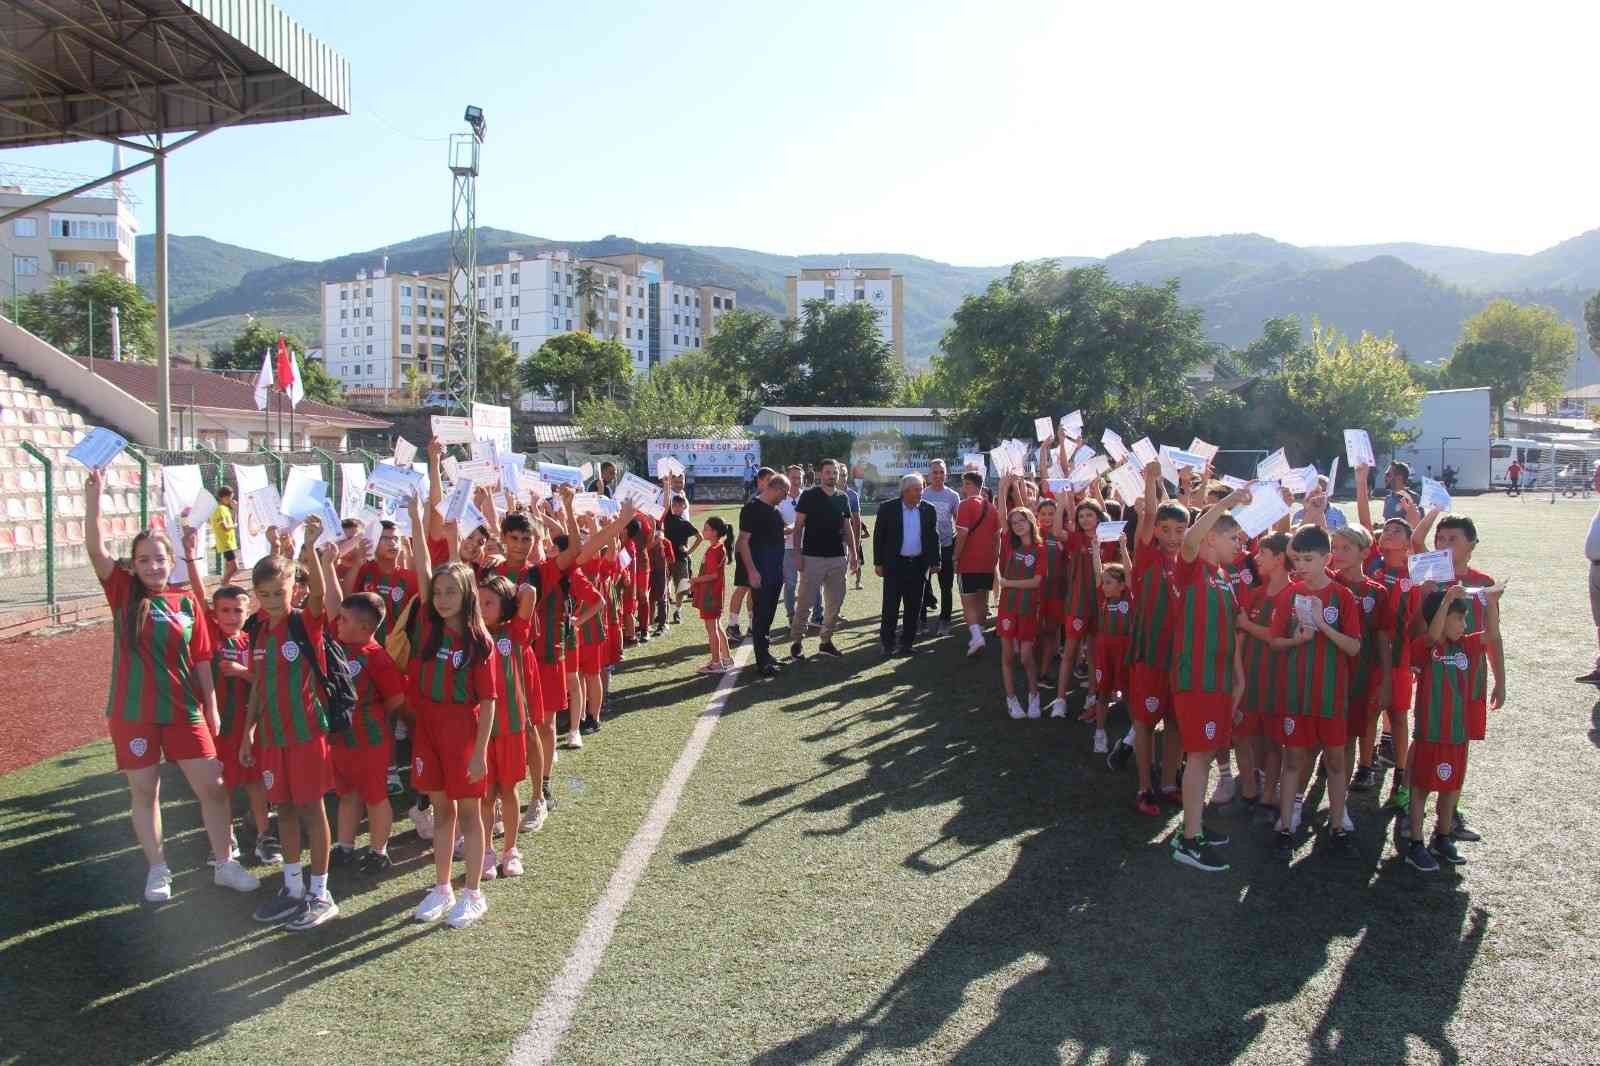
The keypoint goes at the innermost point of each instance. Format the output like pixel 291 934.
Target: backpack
pixel 338 686
pixel 398 643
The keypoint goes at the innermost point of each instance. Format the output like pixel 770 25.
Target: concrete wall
pixel 108 404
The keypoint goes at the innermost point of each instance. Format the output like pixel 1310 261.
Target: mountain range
pixel 1421 293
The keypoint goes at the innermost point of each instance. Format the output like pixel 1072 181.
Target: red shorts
pixel 553 687
pixel 1309 731
pixel 1053 611
pixel 1359 711
pixel 1401 685
pixel 442 748
pixel 300 774
pixel 1111 672
pixel 1477 718
pixel 235 773
pixel 1437 766
pixel 714 613
pixel 1250 725
pixel 508 758
pixel 629 599
pixel 141 744
pixel 591 658
pixel 1205 720
pixel 1020 628
pixel 1150 694
pixel 362 772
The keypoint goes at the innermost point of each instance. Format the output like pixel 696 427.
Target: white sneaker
pixel 1058 708
pixel 1346 824
pixel 470 906
pixel 231 875
pixel 573 739
pixel 1033 705
pixel 533 821
pixel 491 864
pixel 423 821
pixel 233 854
pixel 440 898
pixel 1101 743
pixel 158 884
pixel 975 646
pixel 1224 791
pixel 1014 708
pixel 511 863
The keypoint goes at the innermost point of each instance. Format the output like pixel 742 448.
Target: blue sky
pixel 973 133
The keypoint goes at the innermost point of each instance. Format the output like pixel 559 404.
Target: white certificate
pixel 98 448
pixel 452 429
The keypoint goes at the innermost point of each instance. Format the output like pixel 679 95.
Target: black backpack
pixel 338 686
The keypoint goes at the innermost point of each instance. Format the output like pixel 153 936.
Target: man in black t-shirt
pixel 741 587
pixel 679 532
pixel 760 551
pixel 828 551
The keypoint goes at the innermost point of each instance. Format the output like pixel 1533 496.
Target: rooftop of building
pixel 192 386
pixel 856 412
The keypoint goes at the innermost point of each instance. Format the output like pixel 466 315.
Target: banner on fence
pixel 721 458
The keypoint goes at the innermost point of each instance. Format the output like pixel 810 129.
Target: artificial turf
pixel 871 863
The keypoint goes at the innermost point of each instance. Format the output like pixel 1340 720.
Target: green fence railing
pixel 49 521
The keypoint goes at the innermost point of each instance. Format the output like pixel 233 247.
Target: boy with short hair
pixel 1203 670
pixel 1317 682
pixel 231 664
pixel 225 532
pixel 1161 532
pixel 384 577
pixel 361 756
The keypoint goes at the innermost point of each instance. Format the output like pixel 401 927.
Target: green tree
pixel 589 288
pixel 60 314
pixel 923 389
pixel 577 366
pixel 752 351
pixel 497 369
pixel 841 357
pixel 413 384
pixel 1550 341
pixel 1506 370
pixel 1591 320
pixel 257 338
pixel 657 407
pixel 1334 384
pixel 1280 337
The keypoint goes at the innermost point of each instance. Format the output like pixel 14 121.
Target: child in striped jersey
pixel 1258 700
pixel 230 663
pixel 1018 575
pixel 362 754
pixel 508 615
pixel 1113 628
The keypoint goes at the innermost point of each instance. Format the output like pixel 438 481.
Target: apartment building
pixel 879 287
pixel 376 327
pixel 83 235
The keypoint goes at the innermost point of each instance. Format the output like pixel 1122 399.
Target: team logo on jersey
pixel 397 593
pixel 457 657
pixel 266 779
pixel 1028 558
pixel 356 666
pixel 1368 604
pixel 504 644
pixel 1330 615
pixel 1443 771
pixel 1288 726
pixel 1121 606
pixel 1152 704
pixel 1405 584
pixel 290 650
pixel 1006 624
pixel 1211 730
pixel 1246 578
pixel 1077 625
pixel 138 745
pixel 1455 659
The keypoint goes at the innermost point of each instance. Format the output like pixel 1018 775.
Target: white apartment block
pixel 380 324
pixel 880 287
pixel 83 235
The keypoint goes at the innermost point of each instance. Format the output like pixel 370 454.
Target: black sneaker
pixel 1283 844
pixel 316 911
pixel 1418 856
pixel 1339 841
pixel 374 863
pixel 268 850
pixel 280 908
pixel 1385 754
pixel 340 857
pixel 587 726
pixel 1213 836
pixel 1591 678
pixel 1120 754
pixel 735 637
pixel 1362 781
pixel 1444 849
pixel 796 652
pixel 768 670
pixel 644 638
pixel 676 618
pixel 1198 853
pixel 827 648
pixel 1459 830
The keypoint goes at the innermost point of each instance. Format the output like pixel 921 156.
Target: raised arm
pixel 103 564
pixel 1419 535
pixel 1206 522
pixel 607 533
pixel 570 527
pixel 316 601
pixel 435 526
pixel 1147 521
pixel 197 583
pixel 1364 499
pixel 422 562
pixel 333 591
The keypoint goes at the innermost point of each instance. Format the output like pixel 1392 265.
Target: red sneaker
pixel 1145 804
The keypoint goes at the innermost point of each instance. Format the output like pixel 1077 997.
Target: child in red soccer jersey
pixel 161 700
pixel 1079 604
pixel 1113 630
pixel 1160 534
pixel 1317 682
pixel 384 577
pixel 589 624
pixel 1018 575
pixel 1053 589
pixel 1202 670
pixel 1370 678
pixel 1259 698
pixel 706 592
pixel 508 615
pixel 454 676
pixel 288 705
pixel 362 755
pixel 1444 657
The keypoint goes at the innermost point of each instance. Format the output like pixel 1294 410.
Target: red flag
pixel 283 371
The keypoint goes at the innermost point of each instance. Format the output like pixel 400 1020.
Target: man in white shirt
pixel 791 576
pixel 945 500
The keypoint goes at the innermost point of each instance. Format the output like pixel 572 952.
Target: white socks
pixel 976 630
pixel 291 880
pixel 319 886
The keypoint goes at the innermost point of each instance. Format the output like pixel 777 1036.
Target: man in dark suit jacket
pixel 905 547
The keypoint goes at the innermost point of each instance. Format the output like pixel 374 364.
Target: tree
pixel 60 314
pixel 752 350
pixel 577 366
pixel 497 369
pixel 1591 320
pixel 258 338
pixel 657 407
pixel 1506 370
pixel 923 389
pixel 413 384
pixel 1042 341
pixel 1266 354
pixel 841 357
pixel 1550 341
pixel 588 288
pixel 1334 384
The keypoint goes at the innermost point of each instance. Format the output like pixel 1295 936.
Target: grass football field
pixel 870 863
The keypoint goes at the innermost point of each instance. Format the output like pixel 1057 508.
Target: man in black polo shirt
pixel 828 551
pixel 741 587
pixel 760 554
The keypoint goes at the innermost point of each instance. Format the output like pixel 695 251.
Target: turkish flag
pixel 283 370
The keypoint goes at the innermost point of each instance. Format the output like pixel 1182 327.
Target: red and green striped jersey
pixel 447 677
pixel 1082 586
pixel 1239 575
pixel 1203 655
pixel 393 588
pixel 378 680
pixel 153 680
pixel 1443 685
pixel 1396 582
pixel 1152 607
pixel 1019 564
pixel 1478 678
pixel 708 594
pixel 1377 617
pixel 600 572
pixel 292 708
pixel 1054 587
pixel 1116 616
pixel 511 711
pixel 1264 667
pixel 233 693
pixel 1318 673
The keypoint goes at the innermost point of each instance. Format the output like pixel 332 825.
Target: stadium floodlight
pixel 474 118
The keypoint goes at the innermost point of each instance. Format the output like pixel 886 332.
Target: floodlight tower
pixel 461 359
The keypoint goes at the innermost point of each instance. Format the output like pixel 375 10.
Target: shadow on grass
pixel 88 973
pixel 1125 953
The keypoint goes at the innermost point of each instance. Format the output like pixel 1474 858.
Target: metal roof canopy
pixel 113 70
